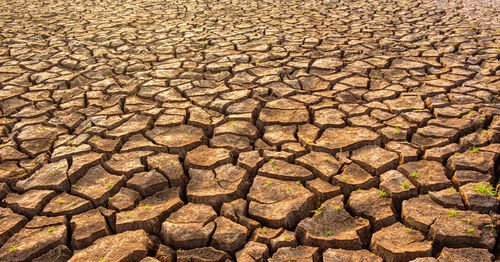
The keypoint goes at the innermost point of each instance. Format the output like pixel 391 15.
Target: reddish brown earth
pixel 253 131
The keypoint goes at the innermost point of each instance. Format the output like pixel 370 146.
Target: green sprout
pixel 127 215
pixel 474 149
pixel 110 184
pixel 470 230
pixel 317 211
pixel 60 201
pixel 452 213
pixel 396 130
pixel 457 153
pixel 51 228
pixel 484 188
pixel 146 206
pixel 382 193
pixel 286 237
pixel 415 175
pixel 328 233
pixel 405 185
pixel 409 229
pixel 288 188
pixel 268 182
pixel 12 249
pixel 73 203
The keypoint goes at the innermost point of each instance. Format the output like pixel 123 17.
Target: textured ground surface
pixel 249 130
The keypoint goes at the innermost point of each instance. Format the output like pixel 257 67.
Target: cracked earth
pixel 249 130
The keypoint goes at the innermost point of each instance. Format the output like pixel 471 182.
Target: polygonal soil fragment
pixel 51 176
pixel 420 212
pixel 300 253
pixel 333 255
pixel 353 177
pixel 265 234
pixel 426 175
pixel 278 135
pixel 373 205
pixel 462 177
pixel 127 164
pixel 286 239
pixel 127 246
pixel 465 254
pixel 81 163
pixel 66 205
pixel 213 188
pixel 228 235
pixel 205 254
pixel 10 172
pixel 279 169
pixel 178 139
pixel 322 190
pixel 478 161
pixel 278 203
pixel 375 159
pixel 329 117
pixel 134 125
pixel 334 140
pixel 253 252
pixel 399 243
pixel 462 229
pixel 448 197
pixel 332 226
pixel 39 236
pixel 240 128
pixel 189 227
pixel 97 185
pixel 87 227
pixel 59 254
pixel 323 165
pixel 150 212
pixel 397 186
pixel 30 203
pixel 170 166
pixel 10 223
pixel 480 197
pixel 124 200
pixel 147 183
pixel 204 157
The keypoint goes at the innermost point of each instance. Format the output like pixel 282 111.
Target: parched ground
pixel 146 130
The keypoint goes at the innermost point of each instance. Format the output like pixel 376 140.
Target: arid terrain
pixel 249 130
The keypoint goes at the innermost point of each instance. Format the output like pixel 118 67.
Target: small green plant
pixel 127 215
pixel 452 213
pixel 409 229
pixel 474 149
pixel 382 193
pixel 268 182
pixel 110 184
pixel 470 230
pixel 51 228
pixel 73 203
pixel 328 233
pixel 484 131
pixel 60 201
pixel 494 229
pixel 288 188
pixel 337 208
pixel 232 123
pixel 298 182
pixel 396 130
pixel 12 248
pixel 484 188
pixel 146 206
pixel 405 185
pixel 457 153
pixel 317 211
pixel 263 230
pixel 179 250
pixel 415 175
pixel 232 203
pixel 286 237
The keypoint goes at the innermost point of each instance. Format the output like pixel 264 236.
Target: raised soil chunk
pixel 277 203
pixel 237 210
pixel 216 187
pixel 178 139
pixel 420 212
pixel 10 223
pixel 375 160
pixel 134 125
pixel 332 226
pixel 463 229
pixel 204 157
pixel 321 164
pixel 462 177
pixel 97 185
pixel 240 128
pixel 374 205
pixel 279 169
pixel 399 243
pixel 81 163
pixel 353 177
pixel 189 227
pixel 126 246
pixel 407 152
pixel 205 254
pixel 334 140
pixel 449 198
pixel 465 255
pixel 478 161
pixel 30 203
pixel 150 212
pixel 334 255
pixel 441 154
pixel 126 199
pixel 147 183
pixel 397 186
pixel 480 197
pixel 39 236
pixel 286 239
pixel 322 190
pixel 51 176
pixel 273 115
pixel 87 227
pixel 329 117
pixel 228 236
pixel 278 135
pixel 250 161
pixel 128 163
pixel 426 175
pixel 300 253
pixel 266 234
pixel 253 252
pixel 58 254
pixel 67 205
pixel 170 166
